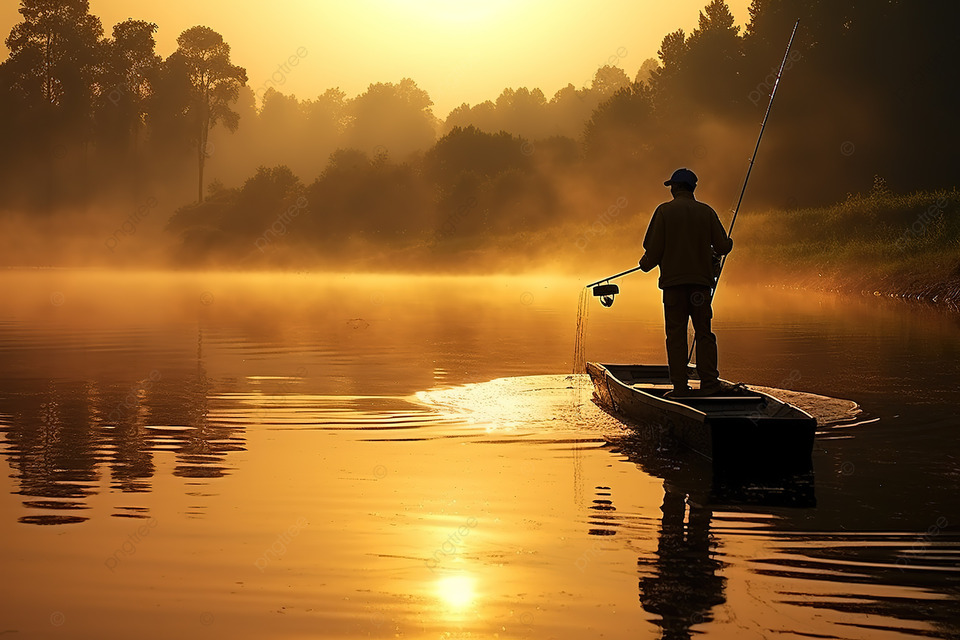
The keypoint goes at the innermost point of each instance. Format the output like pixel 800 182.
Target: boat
pixel 741 430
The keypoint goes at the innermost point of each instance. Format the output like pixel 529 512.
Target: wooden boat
pixel 742 430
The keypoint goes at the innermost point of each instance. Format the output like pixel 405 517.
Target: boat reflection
pixel 680 583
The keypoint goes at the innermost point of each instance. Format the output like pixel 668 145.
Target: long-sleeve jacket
pixel 682 237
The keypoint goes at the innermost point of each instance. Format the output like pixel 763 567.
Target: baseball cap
pixel 682 176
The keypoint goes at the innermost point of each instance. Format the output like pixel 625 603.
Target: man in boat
pixel 684 239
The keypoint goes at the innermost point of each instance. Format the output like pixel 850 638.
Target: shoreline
pixel 909 287
pixel 943 295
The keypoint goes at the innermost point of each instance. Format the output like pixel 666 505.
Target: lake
pixel 359 456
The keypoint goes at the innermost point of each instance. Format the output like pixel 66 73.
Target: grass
pixel 896 244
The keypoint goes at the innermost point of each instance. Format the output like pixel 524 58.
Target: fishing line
pixel 579 350
pixel 579 384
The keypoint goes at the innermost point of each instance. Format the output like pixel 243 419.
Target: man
pixel 682 238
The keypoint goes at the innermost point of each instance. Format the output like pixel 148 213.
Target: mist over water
pixel 369 453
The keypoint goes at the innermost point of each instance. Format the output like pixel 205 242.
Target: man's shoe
pixel 711 389
pixel 679 392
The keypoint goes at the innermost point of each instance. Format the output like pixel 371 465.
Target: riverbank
pixel 882 244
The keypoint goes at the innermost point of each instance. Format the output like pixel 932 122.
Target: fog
pixel 113 159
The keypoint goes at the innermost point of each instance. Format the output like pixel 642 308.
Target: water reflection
pixel 311 416
pixel 681 585
pixel 457 592
pixel 65 436
pixel 848 577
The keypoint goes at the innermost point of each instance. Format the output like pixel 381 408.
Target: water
pixel 297 456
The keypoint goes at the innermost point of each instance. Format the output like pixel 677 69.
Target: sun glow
pixel 461 13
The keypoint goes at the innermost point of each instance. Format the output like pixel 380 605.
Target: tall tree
pixel 50 82
pixel 666 78
pixel 215 85
pixel 53 65
pixel 714 54
pixel 130 71
pixel 58 40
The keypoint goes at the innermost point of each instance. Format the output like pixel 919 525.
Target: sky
pixel 457 50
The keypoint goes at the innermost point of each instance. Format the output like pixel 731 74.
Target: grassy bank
pixel 903 245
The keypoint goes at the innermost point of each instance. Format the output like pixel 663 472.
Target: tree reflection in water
pixel 61 432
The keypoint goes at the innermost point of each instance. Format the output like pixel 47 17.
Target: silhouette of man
pixel 682 239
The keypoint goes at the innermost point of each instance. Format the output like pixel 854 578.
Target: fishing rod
pixel 763 126
pixel 753 160
pixel 619 275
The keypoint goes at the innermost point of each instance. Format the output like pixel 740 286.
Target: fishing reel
pixel 606 293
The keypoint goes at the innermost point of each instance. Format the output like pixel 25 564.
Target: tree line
pixel 868 91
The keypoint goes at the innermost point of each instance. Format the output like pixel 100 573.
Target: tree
pixel 52 69
pixel 50 87
pixel 327 115
pixel 646 70
pixel 393 118
pixel 608 80
pixel 58 41
pixel 621 126
pixel 666 78
pixel 570 108
pixel 129 74
pixel 713 59
pixel 215 85
pixel 474 151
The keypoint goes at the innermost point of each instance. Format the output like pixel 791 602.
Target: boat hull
pixel 746 432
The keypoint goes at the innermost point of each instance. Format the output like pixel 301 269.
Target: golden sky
pixel 458 50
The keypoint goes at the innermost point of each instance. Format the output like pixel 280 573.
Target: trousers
pixel 681 304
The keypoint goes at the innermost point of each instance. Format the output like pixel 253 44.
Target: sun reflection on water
pixel 457 592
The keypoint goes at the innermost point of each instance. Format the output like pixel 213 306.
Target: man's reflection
pixel 681 584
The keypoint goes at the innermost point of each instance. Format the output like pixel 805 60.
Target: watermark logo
pixel 283 70
pixel 602 222
pixel 279 548
pixel 130 225
pixel 452 221
pixel 279 227
pixel 453 545
pixel 129 546
pixel 765 87
pixel 132 400
pixel 921 226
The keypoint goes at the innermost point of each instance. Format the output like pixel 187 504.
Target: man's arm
pixel 653 243
pixel 722 244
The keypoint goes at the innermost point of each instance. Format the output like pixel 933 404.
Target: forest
pixel 261 178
